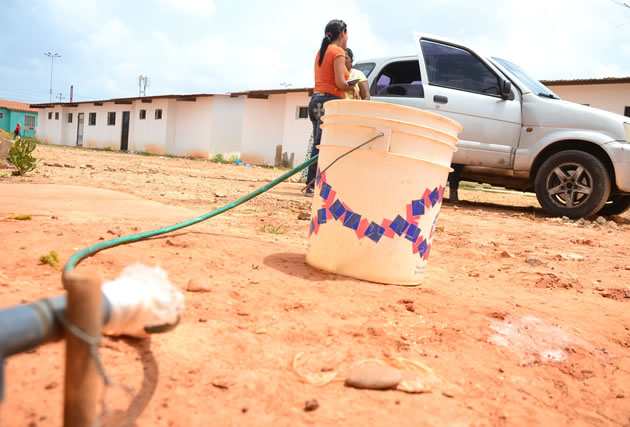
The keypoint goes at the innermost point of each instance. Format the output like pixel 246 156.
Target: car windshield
pixel 534 85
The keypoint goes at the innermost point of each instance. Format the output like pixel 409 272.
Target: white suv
pixel 516 132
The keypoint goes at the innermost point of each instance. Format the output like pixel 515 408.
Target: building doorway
pixel 124 135
pixel 80 130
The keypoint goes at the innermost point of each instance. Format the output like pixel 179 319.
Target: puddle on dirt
pixel 532 339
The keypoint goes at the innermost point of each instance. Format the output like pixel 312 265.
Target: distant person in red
pixel 16 132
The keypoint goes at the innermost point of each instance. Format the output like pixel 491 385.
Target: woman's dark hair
pixel 350 54
pixel 333 29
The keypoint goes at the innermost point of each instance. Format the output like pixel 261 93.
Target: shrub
pixel 51 259
pixel 20 156
pixel 218 158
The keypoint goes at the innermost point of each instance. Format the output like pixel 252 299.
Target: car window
pixel 401 78
pixel 365 67
pixel 457 68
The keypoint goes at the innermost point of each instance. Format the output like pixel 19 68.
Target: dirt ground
pixel 524 319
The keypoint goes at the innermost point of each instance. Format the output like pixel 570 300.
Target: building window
pixel 92 119
pixel 301 113
pixel 143 114
pixel 50 115
pixel 56 115
pixel 158 114
pixel 29 122
pixel 1 115
pixel 111 119
pixel 626 112
pixel 69 117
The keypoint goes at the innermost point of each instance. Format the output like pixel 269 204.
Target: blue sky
pixel 218 46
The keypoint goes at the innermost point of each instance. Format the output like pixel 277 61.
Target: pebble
pixel 626 293
pixel 601 220
pixel 311 405
pixel 197 285
pixel 506 254
pixel 373 374
pixel 304 215
pixel 219 194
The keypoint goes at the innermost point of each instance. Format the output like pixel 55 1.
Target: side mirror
pixel 506 89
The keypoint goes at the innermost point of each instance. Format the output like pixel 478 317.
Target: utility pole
pixel 52 57
pixel 60 96
pixel 71 92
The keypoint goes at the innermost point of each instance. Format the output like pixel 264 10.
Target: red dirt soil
pixel 524 319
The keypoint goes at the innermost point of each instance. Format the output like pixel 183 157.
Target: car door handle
pixel 440 99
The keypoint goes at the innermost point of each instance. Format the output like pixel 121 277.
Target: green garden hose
pixel 91 250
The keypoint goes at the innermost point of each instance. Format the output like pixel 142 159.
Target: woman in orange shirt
pixel 331 78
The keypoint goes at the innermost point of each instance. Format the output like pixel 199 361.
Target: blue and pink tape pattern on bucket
pixel 335 209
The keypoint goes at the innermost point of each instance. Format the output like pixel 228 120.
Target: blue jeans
pixel 315 113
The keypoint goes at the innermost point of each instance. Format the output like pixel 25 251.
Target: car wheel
pixel 572 183
pixel 615 205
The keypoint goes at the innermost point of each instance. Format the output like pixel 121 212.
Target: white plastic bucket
pixel 375 211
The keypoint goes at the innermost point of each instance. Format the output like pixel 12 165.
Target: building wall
pixel 226 129
pixel 296 131
pixel 4 121
pixel 149 135
pixel 69 129
pixel 49 129
pixel 12 118
pixel 102 135
pixel 192 127
pixel 612 97
pixel 262 129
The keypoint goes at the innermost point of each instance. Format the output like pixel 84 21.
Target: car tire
pixel 615 205
pixel 572 183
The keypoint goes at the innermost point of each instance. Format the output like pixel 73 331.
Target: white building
pixel 610 94
pixel 261 127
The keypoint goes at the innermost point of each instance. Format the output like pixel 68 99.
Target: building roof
pixel 579 82
pixel 16 106
pixel 264 94
pixel 187 97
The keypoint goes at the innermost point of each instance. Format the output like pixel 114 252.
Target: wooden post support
pixel 83 380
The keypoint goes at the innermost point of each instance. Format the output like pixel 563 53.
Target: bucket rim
pixel 433 140
pixel 397 122
pixel 448 168
pixel 398 107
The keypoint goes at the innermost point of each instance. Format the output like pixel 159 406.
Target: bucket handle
pixel 381 144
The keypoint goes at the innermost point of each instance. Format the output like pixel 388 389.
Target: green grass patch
pixel 273 229
pixel 22 217
pixel 51 259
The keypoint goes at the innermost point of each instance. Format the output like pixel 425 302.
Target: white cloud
pixel 198 8
pixel 191 46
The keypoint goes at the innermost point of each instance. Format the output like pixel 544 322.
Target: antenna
pixel 60 96
pixel 143 82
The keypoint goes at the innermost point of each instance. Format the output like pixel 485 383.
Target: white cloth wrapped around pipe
pixel 141 297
